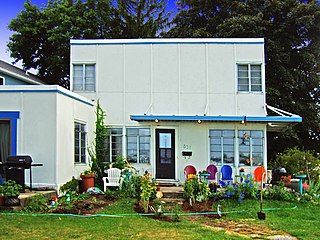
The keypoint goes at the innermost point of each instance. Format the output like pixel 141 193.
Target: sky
pixel 9 10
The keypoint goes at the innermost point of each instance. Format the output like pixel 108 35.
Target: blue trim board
pixel 216 118
pixel 13 117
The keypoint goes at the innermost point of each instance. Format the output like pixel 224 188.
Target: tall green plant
pixel 99 150
pixel 295 160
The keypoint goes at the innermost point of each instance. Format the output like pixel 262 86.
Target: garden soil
pixel 95 203
pixel 89 206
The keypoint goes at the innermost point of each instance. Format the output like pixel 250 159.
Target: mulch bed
pixel 91 205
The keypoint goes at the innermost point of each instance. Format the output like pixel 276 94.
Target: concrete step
pixel 173 201
pixel 172 192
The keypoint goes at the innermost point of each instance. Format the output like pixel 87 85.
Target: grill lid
pixel 19 161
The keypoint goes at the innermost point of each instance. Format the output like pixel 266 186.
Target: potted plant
pixel 11 191
pixel 87 177
pixel 241 171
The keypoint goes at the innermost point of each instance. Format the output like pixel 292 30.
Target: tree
pixel 142 18
pixel 291 29
pixel 41 38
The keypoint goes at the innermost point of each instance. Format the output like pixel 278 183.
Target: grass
pixel 301 222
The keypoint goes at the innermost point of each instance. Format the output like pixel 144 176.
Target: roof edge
pixel 168 41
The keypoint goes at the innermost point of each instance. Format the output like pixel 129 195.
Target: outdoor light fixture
pixel 199 121
pixel 156 120
pixel 243 121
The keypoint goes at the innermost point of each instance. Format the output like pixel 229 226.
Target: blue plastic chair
pixel 226 172
pixel 1 180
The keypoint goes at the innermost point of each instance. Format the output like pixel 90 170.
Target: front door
pixel 165 154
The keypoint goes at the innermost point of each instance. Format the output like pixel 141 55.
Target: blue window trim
pixel 13 117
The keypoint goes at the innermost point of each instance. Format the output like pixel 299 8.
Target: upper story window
pixel 249 78
pixel 1 81
pixel 221 146
pixel 80 136
pixel 84 77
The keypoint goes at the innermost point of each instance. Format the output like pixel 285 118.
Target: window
pixel 249 78
pixel 1 81
pixel 84 77
pixel 80 136
pixel 250 147
pixel 114 144
pixel 222 146
pixel 138 145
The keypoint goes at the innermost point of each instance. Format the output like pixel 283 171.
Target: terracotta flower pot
pixel 12 201
pixel 87 181
pixel 2 200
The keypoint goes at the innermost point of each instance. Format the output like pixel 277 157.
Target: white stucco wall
pixel 180 78
pixel 174 77
pixel 46 129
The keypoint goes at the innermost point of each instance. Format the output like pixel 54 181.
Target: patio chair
pixel 189 169
pixel 226 172
pixel 113 179
pixel 213 170
pixel 259 174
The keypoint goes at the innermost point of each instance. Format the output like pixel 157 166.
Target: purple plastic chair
pixel 212 169
pixel 226 172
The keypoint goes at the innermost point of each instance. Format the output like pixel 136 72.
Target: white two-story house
pixel 177 102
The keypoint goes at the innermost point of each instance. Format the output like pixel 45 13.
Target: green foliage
pixel 144 18
pixel 70 187
pixel 279 192
pixel 195 190
pixel 11 189
pixel 133 188
pixel 50 29
pixel 120 163
pixel 98 151
pixel 37 203
pixel 295 160
pixel 148 190
pixel 245 189
pixel 176 210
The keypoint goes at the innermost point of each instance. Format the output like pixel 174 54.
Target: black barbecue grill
pixel 15 166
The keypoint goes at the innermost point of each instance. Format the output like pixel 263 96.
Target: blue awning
pixel 279 119
pixel 274 123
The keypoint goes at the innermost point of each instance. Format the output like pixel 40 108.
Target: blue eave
pixel 294 119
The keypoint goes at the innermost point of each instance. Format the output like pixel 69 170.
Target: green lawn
pixel 302 222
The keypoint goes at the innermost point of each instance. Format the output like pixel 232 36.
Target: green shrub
pixel 295 160
pixel 148 190
pixel 37 203
pixel 245 189
pixel 11 189
pixel 195 190
pixel 70 187
pixel 279 192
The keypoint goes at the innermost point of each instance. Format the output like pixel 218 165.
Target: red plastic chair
pixel 259 174
pixel 189 169
pixel 213 170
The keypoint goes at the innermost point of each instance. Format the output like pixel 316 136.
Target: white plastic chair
pixel 113 179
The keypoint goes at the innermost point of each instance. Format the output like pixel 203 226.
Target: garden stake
pixel 261 215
